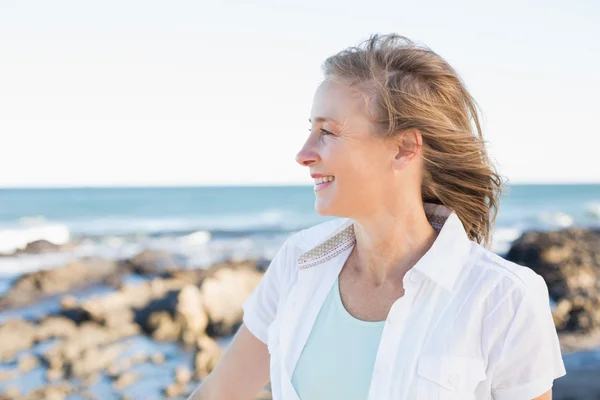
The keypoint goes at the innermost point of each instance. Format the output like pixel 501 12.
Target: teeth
pixel 318 181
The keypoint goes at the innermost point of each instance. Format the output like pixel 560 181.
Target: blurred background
pixel 147 171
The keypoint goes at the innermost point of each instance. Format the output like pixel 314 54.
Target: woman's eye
pixel 323 131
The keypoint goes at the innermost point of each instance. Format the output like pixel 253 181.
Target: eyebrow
pixel 323 119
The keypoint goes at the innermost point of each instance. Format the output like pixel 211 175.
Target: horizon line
pixel 249 185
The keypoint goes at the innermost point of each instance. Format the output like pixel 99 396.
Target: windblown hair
pixel 407 86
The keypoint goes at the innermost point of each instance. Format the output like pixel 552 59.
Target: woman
pixel 398 298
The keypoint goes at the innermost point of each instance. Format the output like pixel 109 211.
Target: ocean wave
pixel 503 238
pixel 558 219
pixel 275 220
pixel 29 231
pixel 593 210
pixel 197 250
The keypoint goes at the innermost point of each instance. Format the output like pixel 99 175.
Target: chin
pixel 324 208
pixel 327 208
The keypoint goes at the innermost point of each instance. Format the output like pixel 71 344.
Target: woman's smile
pixel 322 181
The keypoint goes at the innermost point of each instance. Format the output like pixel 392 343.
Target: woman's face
pixel 356 165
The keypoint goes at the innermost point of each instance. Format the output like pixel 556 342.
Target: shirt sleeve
pixel 530 357
pixel 260 308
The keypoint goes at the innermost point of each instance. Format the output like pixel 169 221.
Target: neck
pixel 389 245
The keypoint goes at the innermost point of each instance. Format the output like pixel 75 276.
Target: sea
pixel 205 225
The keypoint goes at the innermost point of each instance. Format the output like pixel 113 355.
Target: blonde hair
pixel 407 86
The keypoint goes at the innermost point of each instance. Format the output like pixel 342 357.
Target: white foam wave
pixel 18 238
pixel 269 219
pixel 196 250
pixel 196 238
pixel 593 210
pixel 503 238
pixel 559 219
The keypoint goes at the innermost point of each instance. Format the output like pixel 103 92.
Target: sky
pixel 138 92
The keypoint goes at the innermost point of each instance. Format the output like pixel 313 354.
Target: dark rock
pixel 150 262
pixel 178 316
pixel 33 286
pixel 569 261
pixel 40 246
pixel 223 291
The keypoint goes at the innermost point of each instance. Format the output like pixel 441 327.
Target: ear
pixel 408 145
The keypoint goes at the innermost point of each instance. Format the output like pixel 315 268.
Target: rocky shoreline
pixel 145 328
pixel 86 338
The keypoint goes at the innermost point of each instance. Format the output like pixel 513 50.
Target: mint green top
pixel 338 358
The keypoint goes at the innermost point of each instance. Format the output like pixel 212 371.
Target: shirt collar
pixel 442 263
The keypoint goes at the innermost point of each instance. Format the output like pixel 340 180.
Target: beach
pixel 135 293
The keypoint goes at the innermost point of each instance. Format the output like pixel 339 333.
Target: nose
pixel 307 157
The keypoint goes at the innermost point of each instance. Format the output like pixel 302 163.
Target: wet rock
pixel 55 391
pixel 27 362
pixel 208 355
pixel 54 327
pixel 187 313
pixel 82 353
pixel 42 246
pixel 15 335
pixel 182 375
pixel 190 314
pixel 163 327
pixel 569 261
pixel 192 276
pixel 175 389
pixel 150 262
pixel 126 379
pixel 224 291
pixel 132 302
pixel 158 358
pixel 182 316
pixel 69 302
pixel 91 378
pixel 111 318
pixel 95 359
pixel 11 393
pixel 35 285
pixel 54 374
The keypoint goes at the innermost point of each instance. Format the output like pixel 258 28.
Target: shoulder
pixel 504 285
pixel 485 260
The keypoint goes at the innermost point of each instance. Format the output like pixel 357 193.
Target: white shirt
pixel 470 326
